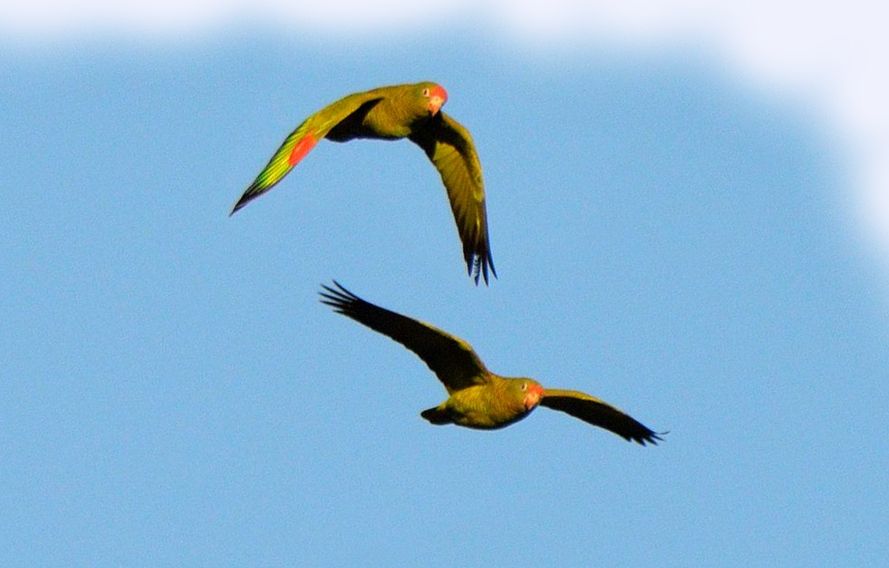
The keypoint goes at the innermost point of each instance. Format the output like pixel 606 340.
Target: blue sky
pixel 669 236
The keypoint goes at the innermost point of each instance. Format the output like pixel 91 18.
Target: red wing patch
pixel 301 148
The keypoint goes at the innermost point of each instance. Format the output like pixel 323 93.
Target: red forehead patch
pixel 439 91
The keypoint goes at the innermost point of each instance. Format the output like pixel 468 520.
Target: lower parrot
pixel 410 111
pixel 478 398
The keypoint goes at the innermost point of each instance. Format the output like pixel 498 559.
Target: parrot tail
pixel 436 415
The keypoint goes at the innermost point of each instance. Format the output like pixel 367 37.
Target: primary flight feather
pixel 410 111
pixel 478 398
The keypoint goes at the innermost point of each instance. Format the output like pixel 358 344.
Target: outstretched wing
pixel 449 145
pixel 301 141
pixel 451 359
pixel 599 413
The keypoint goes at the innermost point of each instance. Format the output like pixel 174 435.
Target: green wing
pixel 301 141
pixel 451 359
pixel 450 147
pixel 599 413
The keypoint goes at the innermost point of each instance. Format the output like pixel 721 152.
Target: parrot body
pixel 495 404
pixel 390 113
pixel 478 398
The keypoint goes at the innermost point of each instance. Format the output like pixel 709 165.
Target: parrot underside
pixel 356 125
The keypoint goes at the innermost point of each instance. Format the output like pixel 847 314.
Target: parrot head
pixel 435 96
pixel 531 392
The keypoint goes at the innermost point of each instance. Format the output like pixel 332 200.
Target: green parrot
pixel 478 398
pixel 390 113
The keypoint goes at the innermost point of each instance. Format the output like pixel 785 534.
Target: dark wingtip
pixel 651 437
pixel 249 195
pixel 486 266
pixel 337 298
pixel 478 267
pixel 242 201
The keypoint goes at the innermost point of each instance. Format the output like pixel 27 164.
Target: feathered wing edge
pixel 599 413
pixel 452 360
pixel 303 138
pixel 450 148
pixel 279 166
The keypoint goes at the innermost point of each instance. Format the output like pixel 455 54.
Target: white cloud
pixel 830 54
pixel 52 19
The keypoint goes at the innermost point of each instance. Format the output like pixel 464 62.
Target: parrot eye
pixel 426 92
pixel 524 386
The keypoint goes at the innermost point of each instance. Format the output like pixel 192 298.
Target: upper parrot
pixel 390 113
pixel 477 397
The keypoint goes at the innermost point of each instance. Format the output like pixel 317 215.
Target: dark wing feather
pixel 599 413
pixel 450 147
pixel 451 359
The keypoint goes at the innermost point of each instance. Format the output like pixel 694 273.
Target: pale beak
pixel 532 399
pixel 435 103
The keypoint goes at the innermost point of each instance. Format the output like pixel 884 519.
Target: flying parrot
pixel 478 398
pixel 390 113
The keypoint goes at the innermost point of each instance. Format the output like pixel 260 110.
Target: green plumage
pixel 390 113
pixel 477 397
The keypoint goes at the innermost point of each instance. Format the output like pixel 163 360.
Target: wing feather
pixel 306 135
pixel 450 148
pixel 599 413
pixel 451 359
